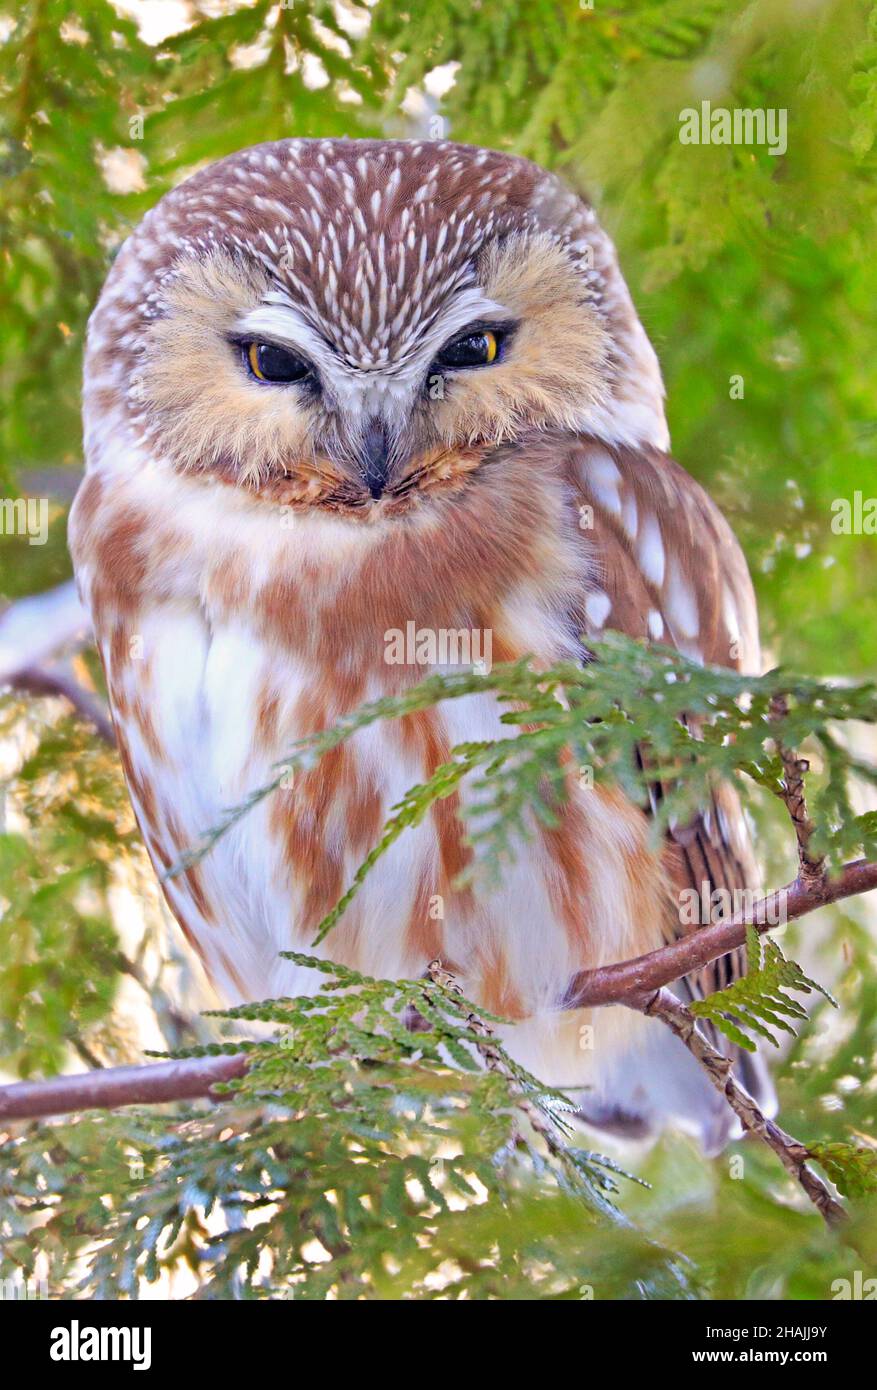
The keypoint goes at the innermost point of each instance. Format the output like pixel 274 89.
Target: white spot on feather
pixel 680 604
pixel 601 477
pixel 650 550
pixel 598 606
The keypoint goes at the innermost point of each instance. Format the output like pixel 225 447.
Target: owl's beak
pixel 374 458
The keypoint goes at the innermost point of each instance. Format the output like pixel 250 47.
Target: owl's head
pixel 354 324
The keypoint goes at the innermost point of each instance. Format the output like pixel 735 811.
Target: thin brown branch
pixel 186 1079
pixel 35 680
pixel 493 1062
pixel 791 1152
pixel 616 984
pixel 811 866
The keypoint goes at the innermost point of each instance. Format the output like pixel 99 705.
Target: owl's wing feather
pixel 667 567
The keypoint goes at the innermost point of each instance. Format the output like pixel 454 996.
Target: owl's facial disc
pixel 371 412
pixel 350 323
pixel 350 369
pixel 242 380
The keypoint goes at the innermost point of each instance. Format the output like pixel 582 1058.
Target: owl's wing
pixel 667 567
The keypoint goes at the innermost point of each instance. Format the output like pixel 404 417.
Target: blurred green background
pixel 742 264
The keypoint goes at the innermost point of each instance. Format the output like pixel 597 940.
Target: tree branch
pixel 617 984
pixel 792 1154
pixel 38 681
pixel 493 1062
pixel 185 1079
pixel 811 866
pixel 628 982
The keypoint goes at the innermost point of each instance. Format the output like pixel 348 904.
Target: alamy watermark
pixel 858 1288
pixel 854 516
pixel 708 125
pixel 439 646
pixel 78 1343
pixel 25 516
pixel 706 906
pixel 18 1289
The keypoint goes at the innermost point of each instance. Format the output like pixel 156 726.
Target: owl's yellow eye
pixel 470 350
pixel 268 362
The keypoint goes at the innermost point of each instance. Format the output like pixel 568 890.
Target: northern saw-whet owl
pixel 334 388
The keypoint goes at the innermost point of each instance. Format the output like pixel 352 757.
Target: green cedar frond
pixel 851 1167
pixel 348 1132
pixel 759 1000
pixel 627 696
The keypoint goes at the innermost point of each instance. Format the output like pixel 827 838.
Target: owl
pixel 341 390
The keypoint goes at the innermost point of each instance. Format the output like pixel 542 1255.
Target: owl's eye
pixel 268 362
pixel 471 350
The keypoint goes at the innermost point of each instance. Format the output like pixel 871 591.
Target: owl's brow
pixel 281 323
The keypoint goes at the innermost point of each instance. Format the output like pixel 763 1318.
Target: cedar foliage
pixel 760 999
